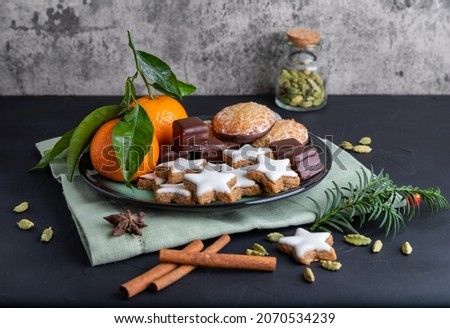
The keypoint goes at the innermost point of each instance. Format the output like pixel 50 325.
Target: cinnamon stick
pixel 227 261
pixel 141 282
pixel 184 270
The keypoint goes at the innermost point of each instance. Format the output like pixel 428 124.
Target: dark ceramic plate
pixel 120 191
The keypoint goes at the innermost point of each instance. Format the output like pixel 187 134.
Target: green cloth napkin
pixel 168 229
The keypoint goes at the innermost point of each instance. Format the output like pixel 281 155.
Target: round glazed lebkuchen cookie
pixel 283 129
pixel 243 122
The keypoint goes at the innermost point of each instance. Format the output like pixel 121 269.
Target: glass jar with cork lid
pixel 302 73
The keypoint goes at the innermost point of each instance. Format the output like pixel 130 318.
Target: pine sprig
pixel 374 198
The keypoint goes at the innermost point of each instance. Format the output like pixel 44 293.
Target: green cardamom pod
pixel 306 104
pixel 346 145
pixel 260 248
pixel 296 100
pixel 292 90
pixel 331 265
pixel 317 102
pixel 357 239
pixel 362 149
pixel 365 141
pixel 47 235
pixel 274 236
pixel 407 248
pixel 286 84
pixel 308 275
pixel 377 246
pixel 22 207
pixel 316 77
pixel 314 85
pixel 25 224
pixel 254 252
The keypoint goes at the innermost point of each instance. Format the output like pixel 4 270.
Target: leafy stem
pixel 139 70
pixel 133 134
pixel 375 198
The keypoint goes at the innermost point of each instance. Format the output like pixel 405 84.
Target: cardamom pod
pixel 22 207
pixel 274 236
pixel 308 275
pixel 260 248
pixel 346 145
pixel 314 85
pixel 317 102
pixel 47 235
pixel 365 141
pixel 357 239
pixel 331 265
pixel 407 248
pixel 250 251
pixel 257 249
pixel 296 100
pixel 363 149
pixel 306 104
pixel 25 224
pixel 377 246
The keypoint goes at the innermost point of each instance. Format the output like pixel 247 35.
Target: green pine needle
pixel 375 198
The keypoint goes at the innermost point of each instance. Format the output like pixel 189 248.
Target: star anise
pixel 126 222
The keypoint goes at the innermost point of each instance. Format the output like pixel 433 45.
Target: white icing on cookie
pixel 241 176
pixel 304 241
pixel 174 189
pixel 152 176
pixel 210 180
pixel 246 152
pixel 273 169
pixel 182 165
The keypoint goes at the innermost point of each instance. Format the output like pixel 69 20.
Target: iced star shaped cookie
pixel 173 193
pixel 273 175
pixel 150 181
pixel 246 186
pixel 210 185
pixel 174 171
pixel 244 156
pixel 307 247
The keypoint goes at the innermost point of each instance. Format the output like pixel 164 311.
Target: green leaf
pixel 158 74
pixel 185 88
pixel 158 71
pixel 84 133
pixel 132 137
pixel 61 145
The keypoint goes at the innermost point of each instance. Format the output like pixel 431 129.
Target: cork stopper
pixel 302 37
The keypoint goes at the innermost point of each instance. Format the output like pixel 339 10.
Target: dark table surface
pixel 410 141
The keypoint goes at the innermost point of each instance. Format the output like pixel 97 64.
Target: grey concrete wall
pixel 79 47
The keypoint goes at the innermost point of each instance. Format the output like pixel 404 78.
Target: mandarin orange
pixel 104 159
pixel 162 110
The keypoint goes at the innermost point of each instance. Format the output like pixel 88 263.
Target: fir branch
pixel 375 198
